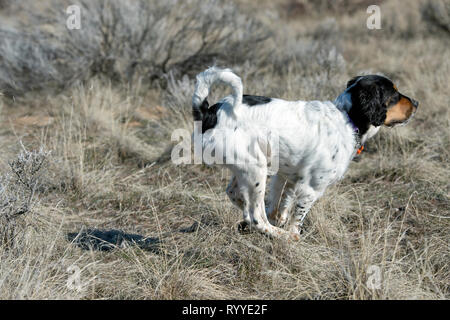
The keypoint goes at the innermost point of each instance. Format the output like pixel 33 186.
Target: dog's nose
pixel 415 103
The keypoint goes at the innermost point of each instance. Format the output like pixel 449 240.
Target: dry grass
pixel 110 169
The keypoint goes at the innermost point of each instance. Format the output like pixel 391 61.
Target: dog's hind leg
pixel 234 194
pixel 237 199
pixel 252 185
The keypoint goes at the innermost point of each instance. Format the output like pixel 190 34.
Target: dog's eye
pixel 393 99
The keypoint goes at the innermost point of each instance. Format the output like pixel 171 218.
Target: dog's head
pixel 375 101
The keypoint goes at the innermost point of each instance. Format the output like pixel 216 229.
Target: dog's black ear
pixel 367 103
pixel 352 81
pixel 371 101
pixel 198 112
pixel 204 107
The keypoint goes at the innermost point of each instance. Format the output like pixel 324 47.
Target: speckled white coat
pixel 305 145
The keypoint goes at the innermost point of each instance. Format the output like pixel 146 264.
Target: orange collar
pixel 360 150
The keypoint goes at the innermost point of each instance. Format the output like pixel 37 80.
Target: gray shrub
pixel 18 189
pixel 123 40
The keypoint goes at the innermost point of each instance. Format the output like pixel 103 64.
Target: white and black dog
pixel 316 140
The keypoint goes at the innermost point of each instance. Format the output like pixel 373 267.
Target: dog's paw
pixel 243 227
pixel 282 222
pixel 272 221
pixel 276 221
pixel 294 236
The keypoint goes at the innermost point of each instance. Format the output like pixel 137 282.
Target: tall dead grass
pixel 110 170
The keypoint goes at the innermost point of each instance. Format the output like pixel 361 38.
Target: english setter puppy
pixel 315 142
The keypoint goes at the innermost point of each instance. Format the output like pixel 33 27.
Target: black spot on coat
pixel 208 115
pixel 255 100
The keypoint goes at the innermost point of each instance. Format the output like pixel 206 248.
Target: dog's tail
pixel 204 82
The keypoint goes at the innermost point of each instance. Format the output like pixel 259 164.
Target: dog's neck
pixel 363 131
pixel 344 103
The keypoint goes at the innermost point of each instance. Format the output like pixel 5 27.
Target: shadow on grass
pixel 106 240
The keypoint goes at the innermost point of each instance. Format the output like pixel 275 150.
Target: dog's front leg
pixel 307 196
pixel 296 203
pixel 276 190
